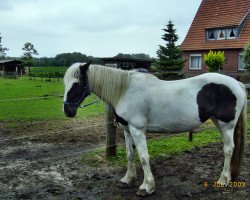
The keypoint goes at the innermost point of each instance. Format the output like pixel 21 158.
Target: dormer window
pixel 231 33
pixel 211 35
pixel 221 33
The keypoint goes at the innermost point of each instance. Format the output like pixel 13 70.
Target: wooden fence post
pixel 190 138
pixel 111 131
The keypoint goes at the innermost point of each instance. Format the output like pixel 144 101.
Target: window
pixel 241 64
pixel 211 35
pixel 221 33
pixel 231 33
pixel 195 61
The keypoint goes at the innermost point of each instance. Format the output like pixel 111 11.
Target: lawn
pixel 27 100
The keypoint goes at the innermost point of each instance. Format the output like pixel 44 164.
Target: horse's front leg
pixel 129 179
pixel 139 138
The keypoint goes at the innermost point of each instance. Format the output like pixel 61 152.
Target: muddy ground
pixel 41 160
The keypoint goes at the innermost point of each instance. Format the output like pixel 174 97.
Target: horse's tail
pixel 239 140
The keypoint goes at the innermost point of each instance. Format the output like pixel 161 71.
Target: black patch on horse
pixel 75 93
pixel 216 100
pixel 120 120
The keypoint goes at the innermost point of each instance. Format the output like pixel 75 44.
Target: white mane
pixel 108 83
pixel 70 73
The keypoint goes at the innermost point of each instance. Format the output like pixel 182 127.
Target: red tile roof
pixel 218 14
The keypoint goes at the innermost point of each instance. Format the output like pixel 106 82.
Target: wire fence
pixel 30 98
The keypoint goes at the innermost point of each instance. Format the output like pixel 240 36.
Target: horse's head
pixel 76 88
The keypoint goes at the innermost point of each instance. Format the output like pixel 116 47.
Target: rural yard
pixel 74 74
pixel 43 160
pixel 45 155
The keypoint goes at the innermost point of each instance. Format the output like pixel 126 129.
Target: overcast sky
pixel 101 28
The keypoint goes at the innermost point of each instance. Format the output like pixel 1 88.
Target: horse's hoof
pixel 142 193
pixel 125 185
pixel 122 185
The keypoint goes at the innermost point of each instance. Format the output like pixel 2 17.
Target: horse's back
pixel 235 86
pixel 176 105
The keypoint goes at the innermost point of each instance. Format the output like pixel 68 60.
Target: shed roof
pixel 218 14
pixel 124 59
pixel 10 61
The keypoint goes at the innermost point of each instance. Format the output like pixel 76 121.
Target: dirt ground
pixel 41 160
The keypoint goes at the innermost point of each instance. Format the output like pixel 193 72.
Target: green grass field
pixel 19 101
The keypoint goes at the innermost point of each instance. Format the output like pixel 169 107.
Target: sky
pixel 100 28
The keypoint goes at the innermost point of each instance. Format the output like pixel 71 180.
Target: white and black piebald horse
pixel 143 103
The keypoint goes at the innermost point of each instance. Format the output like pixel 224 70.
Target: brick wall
pixel 230 64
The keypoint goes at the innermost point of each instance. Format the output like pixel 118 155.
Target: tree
pixel 141 56
pixel 214 60
pixel 246 56
pixel 67 59
pixel 169 55
pixel 29 51
pixel 2 50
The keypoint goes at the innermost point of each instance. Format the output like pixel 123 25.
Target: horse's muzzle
pixel 69 111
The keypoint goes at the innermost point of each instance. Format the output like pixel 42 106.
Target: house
pixel 11 67
pixel 218 25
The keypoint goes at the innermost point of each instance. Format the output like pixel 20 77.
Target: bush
pixel 214 60
pixel 246 56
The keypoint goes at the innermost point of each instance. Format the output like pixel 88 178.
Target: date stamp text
pixel 232 184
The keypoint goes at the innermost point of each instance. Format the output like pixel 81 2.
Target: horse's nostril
pixel 71 114
pixel 69 111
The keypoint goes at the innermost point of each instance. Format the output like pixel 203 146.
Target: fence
pixel 13 75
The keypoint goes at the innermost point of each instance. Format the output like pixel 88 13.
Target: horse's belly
pixel 172 128
pixel 173 122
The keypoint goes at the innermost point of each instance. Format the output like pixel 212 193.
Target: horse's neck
pixel 108 83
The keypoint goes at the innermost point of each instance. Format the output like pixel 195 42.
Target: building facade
pixel 219 26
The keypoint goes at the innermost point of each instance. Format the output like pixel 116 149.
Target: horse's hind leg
pixel 129 179
pixel 227 133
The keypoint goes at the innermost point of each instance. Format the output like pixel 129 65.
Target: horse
pixel 142 102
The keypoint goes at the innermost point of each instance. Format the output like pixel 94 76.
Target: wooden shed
pixel 127 63
pixel 11 67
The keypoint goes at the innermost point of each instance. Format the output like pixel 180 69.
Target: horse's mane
pixel 108 83
pixel 69 75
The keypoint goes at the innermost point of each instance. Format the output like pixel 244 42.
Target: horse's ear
pixel 84 67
